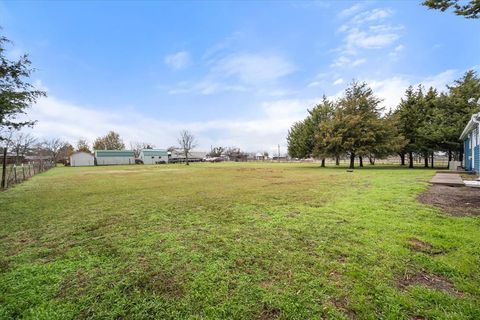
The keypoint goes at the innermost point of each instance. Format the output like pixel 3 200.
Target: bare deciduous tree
pixel 56 149
pixel 21 144
pixel 216 152
pixel 235 154
pixel 187 142
pixel 137 147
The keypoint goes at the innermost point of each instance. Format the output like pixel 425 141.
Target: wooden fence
pixel 18 173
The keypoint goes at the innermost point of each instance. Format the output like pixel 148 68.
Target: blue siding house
pixel 471 144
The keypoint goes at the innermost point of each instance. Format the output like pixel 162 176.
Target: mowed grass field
pixel 234 241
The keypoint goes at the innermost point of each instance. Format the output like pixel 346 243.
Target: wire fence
pixel 439 162
pixel 15 174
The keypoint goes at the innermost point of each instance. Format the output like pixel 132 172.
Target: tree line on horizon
pixel 356 126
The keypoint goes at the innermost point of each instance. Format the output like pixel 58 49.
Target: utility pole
pixel 279 153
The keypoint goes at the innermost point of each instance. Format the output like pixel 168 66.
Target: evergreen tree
pixel 469 9
pixel 302 136
pixel 409 119
pixel 16 93
pixel 357 128
pixel 321 113
pixel 453 111
pixel 298 140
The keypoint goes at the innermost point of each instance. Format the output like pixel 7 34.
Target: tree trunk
pixel 433 156
pixel 372 160
pixel 352 161
pixel 449 155
pixel 4 167
pixel 460 156
pixel 410 159
pixel 360 158
pixel 402 158
pixel 425 158
pixel 323 163
pixel 337 160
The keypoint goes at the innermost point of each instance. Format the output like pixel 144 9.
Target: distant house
pixel 153 156
pixel 110 157
pixel 471 144
pixel 78 159
pixel 11 157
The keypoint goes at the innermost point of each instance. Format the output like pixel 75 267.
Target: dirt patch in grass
pixel 74 284
pixel 156 280
pixel 422 246
pixel 341 304
pixel 163 283
pixel 457 201
pixel 430 281
pixel 4 265
pixel 128 171
pixel 269 313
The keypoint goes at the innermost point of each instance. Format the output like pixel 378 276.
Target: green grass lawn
pixel 234 241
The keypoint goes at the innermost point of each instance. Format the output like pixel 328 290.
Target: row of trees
pixel 112 141
pixel 23 144
pixel 356 126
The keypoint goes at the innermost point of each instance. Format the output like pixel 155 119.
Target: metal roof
pixel 114 153
pixel 155 152
pixel 472 124
pixel 76 152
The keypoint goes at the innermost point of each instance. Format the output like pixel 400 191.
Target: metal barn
pixel 153 156
pixel 112 157
pixel 80 158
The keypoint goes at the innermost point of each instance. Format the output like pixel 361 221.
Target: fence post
pixel 4 168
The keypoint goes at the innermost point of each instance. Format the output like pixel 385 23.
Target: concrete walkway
pixel 448 179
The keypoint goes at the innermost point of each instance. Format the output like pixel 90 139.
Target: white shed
pixel 109 157
pixel 153 156
pixel 80 158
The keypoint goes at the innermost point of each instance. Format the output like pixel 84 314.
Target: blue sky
pixel 233 73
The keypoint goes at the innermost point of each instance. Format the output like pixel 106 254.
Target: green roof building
pixel 153 156
pixel 112 157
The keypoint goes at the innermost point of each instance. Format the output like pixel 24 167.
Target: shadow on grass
pixel 369 167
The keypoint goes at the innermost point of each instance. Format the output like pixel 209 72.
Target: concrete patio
pixel 448 179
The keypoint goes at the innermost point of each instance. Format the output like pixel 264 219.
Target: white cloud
pixel 313 84
pixel 344 61
pixel 366 30
pixel 350 11
pixel 70 121
pixel 358 62
pixel 253 68
pixel 391 90
pixel 338 82
pixel 440 80
pixel 372 15
pixel 374 38
pixel 340 62
pixel 179 60
pixel 239 72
